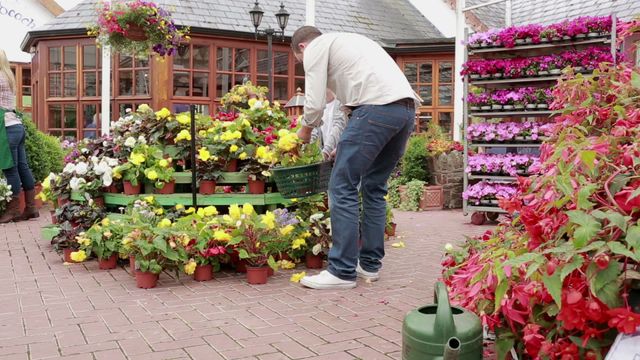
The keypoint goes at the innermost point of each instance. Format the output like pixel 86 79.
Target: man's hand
pixel 305 133
pixel 329 155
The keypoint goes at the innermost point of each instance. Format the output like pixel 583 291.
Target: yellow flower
pixel 269 220
pixel 233 148
pixel 276 105
pixel 106 222
pixel 202 133
pixel 190 267
pixel 234 211
pixel 190 210
pixel 247 209
pixel 227 219
pixel 78 256
pixel 107 234
pixel 242 156
pixel 83 241
pixel 200 212
pixel 210 211
pixel 252 102
pixel 246 123
pixel 298 243
pixel 241 90
pixel 164 223
pixel 152 175
pixel 144 108
pixel 164 163
pixel 287 140
pixel 137 159
pixel 306 234
pixel 220 235
pixel 183 119
pixel 204 154
pixel 386 197
pixel 159 211
pixel 286 230
pixel 286 264
pixel 183 135
pixel 163 113
pixel 179 207
pixel 149 199
pixel 298 276
pixel 185 239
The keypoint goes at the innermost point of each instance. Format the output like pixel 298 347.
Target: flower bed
pixel 508 131
pixel 497 164
pixel 488 193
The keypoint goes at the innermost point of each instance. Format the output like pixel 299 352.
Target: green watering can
pixel 441 332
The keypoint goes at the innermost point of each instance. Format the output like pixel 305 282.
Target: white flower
pixel 75 183
pixel 82 168
pixel 130 142
pixel 69 168
pixel 257 105
pixel 269 112
pixel 316 217
pixel 142 140
pixel 111 161
pixel 316 249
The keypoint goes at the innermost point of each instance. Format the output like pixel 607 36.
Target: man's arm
pixel 316 63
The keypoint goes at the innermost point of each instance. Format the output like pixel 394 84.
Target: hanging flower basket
pixel 138 28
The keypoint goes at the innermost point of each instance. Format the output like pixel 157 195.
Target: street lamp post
pixel 256 18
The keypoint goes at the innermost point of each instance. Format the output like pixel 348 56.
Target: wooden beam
pixel 52 6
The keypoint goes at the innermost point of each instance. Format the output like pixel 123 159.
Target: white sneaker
pixel 367 275
pixel 325 280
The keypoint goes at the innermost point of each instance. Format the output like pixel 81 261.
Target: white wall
pixel 17 17
pixel 439 14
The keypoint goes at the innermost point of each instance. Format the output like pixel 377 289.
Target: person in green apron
pixel 13 155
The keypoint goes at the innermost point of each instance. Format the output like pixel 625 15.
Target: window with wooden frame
pixel 280 73
pixel 91 65
pixel 191 73
pixel 298 82
pixel 233 67
pixel 22 74
pixel 62 78
pixel 63 120
pixel 133 76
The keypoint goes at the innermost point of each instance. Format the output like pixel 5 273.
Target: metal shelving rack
pixel 519 50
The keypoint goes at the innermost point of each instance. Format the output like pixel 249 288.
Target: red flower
pixel 532 339
pixel 624 320
pixel 602 260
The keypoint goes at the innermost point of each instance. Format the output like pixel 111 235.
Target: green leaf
pixel 604 284
pixel 618 248
pixel 593 246
pixel 160 243
pixel 554 286
pixel 615 218
pixel 504 344
pixel 583 197
pixel 524 258
pixel 564 184
pixel 575 263
pixel 172 255
pixel 588 157
pixel 633 236
pixel 500 291
pixel 588 227
pixel 532 269
pixel 243 254
pixel 634 194
pixel 618 183
pixel 635 80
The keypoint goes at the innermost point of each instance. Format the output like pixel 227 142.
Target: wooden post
pixel 160 82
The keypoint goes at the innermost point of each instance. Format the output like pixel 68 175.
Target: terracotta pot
pixel 54 218
pixel 432 198
pixel 67 255
pixel 203 273
pixel 136 33
pixel 129 189
pixel 146 280
pixel 231 166
pixel 391 231
pixel 132 264
pixel 62 201
pixel 313 261
pixel 207 187
pixel 112 189
pixel 99 201
pixel 168 188
pixel 270 271
pixel 38 189
pixel 109 263
pixel 241 266
pixel 256 186
pixel 257 275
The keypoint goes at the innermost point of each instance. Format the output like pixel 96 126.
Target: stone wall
pixel 447 170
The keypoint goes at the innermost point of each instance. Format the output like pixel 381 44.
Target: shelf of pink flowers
pixel 527 131
pixel 488 193
pixel 503 164
pixel 517 99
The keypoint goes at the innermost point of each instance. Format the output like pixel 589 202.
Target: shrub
pixel 44 152
pixel 414 162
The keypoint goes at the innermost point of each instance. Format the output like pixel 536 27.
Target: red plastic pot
pixel 54 218
pixel 270 271
pixel 67 255
pixel 108 263
pixel 112 189
pixel 391 231
pixel 231 166
pixel 313 261
pixel 146 280
pixel 168 188
pixel 257 275
pixel 132 264
pixel 129 189
pixel 256 186
pixel 99 201
pixel 207 187
pixel 203 273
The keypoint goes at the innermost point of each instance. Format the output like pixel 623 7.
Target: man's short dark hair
pixel 302 35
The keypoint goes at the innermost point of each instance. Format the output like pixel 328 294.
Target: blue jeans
pixel 368 151
pixel 19 176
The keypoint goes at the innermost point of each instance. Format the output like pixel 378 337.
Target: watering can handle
pixel 444 327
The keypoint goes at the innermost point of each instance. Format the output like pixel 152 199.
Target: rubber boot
pixel 30 210
pixel 12 212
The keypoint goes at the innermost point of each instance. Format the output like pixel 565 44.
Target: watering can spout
pixel 444 327
pixel 452 349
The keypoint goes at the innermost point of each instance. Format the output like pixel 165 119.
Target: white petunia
pixel 316 217
pixel 75 183
pixel 69 168
pixel 142 140
pixel 130 142
pixel 82 168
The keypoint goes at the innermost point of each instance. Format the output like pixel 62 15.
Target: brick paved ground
pixel 51 310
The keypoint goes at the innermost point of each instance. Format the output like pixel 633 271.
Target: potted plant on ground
pixel 318 240
pixel 103 239
pixel 390 226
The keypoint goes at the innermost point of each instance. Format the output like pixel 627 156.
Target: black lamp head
pixel 283 17
pixel 256 15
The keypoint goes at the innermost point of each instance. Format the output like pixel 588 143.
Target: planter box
pixel 432 198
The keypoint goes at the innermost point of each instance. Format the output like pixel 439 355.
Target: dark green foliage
pixel 44 152
pixel 414 162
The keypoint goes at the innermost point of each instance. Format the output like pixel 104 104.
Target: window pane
pixel 263 68
pixel 142 63
pixel 299 84
pixel 126 61
pixel 444 120
pixel 263 80
pixel 224 59
pixel 241 79
pixel 181 83
pixel 55 116
pixel 125 79
pixel 89 57
pixel 69 57
pixel 426 73
pixel 281 63
pixel 424 119
pixel 446 72
pixel 445 94
pixel 70 135
pixel 280 89
pixel 125 109
pixel 142 82
pixel 200 84
pixel 426 93
pixel 56 133
pixel 90 84
pixel 70 117
pixel 201 57
pixel 90 121
pixel 181 58
pixel 26 81
pixel 410 71
pixel 200 108
pixel 242 60
pixel 55 85
pixel 54 59
pixel 223 84
pixel 70 84
pixel 299 69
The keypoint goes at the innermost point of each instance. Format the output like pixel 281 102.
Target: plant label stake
pixel 194 187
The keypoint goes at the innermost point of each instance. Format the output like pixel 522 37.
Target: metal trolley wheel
pixel 480 217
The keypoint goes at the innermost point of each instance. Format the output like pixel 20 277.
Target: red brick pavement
pixel 51 310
